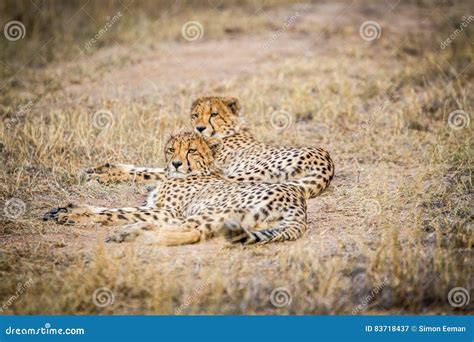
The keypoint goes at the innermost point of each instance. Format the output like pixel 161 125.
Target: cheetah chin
pixel 177 175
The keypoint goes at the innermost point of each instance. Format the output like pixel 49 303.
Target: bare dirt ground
pixel 401 191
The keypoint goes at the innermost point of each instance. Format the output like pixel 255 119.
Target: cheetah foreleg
pixel 73 214
pixel 115 173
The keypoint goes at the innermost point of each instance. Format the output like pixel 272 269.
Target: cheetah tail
pixel 235 233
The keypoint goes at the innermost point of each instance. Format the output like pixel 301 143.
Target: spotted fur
pixel 243 158
pixel 193 202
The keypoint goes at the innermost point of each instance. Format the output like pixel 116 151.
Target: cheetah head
pixel 189 154
pixel 215 116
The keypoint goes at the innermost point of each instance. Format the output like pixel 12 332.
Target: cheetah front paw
pixel 107 173
pixel 69 215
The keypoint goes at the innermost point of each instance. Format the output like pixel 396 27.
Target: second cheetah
pixel 243 158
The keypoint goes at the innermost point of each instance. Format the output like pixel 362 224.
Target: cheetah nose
pixel 200 129
pixel 177 163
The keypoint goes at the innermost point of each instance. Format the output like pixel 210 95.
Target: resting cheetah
pixel 193 202
pixel 240 157
pixel 243 158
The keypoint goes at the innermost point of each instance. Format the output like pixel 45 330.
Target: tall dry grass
pixel 392 235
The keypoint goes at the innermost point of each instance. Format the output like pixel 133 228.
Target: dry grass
pixel 397 219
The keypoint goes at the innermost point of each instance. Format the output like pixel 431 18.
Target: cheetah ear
pixel 214 144
pixel 233 104
pixel 196 102
pixel 168 137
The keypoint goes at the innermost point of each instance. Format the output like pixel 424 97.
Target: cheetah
pixel 244 158
pixel 194 202
pixel 241 156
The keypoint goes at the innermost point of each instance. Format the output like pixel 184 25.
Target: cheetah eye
pixel 214 114
pixel 170 150
pixel 194 116
pixel 192 151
